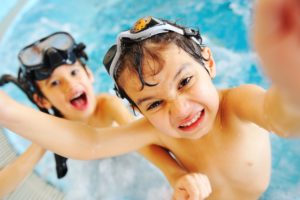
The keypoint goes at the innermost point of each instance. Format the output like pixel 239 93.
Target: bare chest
pixel 236 164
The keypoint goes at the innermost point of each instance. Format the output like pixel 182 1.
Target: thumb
pixel 180 194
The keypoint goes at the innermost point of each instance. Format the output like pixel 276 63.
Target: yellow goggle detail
pixel 141 24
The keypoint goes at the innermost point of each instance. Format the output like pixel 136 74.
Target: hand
pixel 276 38
pixel 193 186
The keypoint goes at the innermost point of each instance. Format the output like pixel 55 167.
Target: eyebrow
pixel 182 68
pixel 48 80
pixel 140 101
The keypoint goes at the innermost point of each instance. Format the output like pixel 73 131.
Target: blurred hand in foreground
pixel 276 35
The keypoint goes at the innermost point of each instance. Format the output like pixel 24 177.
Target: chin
pixel 198 136
pixel 195 135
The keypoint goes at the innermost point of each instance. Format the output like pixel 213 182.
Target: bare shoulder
pixel 243 94
pixel 105 97
pixel 107 100
pixel 246 102
pixel 245 90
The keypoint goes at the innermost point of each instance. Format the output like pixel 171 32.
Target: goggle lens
pixel 33 54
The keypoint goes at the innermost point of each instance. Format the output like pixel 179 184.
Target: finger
pixel 193 188
pixel 180 194
pixel 207 186
pixel 204 185
pixel 201 186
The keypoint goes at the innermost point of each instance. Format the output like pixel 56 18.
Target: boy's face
pixel 69 89
pixel 184 103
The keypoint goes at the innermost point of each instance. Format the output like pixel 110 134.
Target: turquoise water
pixel 225 26
pixel 9 4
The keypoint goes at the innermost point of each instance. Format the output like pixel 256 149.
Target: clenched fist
pixel 193 186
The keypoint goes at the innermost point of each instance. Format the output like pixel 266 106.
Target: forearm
pixel 282 115
pixel 50 132
pixel 73 139
pixel 164 161
pixel 15 172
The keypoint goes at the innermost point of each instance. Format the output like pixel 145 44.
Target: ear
pixel 209 62
pixel 90 75
pixel 42 102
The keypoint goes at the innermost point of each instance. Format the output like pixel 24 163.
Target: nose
pixel 179 108
pixel 68 83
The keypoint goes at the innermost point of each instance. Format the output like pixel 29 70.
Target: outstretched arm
pixel 13 174
pixel 269 109
pixel 282 114
pixel 73 139
pixel 276 31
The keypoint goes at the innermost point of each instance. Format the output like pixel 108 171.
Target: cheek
pixel 162 123
pixel 158 120
pixel 57 100
pixel 211 97
pixel 88 86
pixel 205 94
pixel 87 80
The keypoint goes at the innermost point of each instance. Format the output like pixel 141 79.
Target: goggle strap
pixel 141 36
pixel 196 40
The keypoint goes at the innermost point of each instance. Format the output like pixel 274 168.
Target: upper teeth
pixel 195 118
pixel 77 95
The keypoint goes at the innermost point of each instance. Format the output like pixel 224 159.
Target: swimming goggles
pixel 144 28
pixel 43 56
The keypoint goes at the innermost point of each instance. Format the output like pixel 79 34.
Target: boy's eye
pixel 184 82
pixel 54 83
pixel 74 72
pixel 154 105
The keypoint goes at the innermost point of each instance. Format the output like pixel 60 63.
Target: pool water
pixel 225 25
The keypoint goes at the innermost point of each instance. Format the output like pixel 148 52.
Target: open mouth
pixel 194 122
pixel 79 101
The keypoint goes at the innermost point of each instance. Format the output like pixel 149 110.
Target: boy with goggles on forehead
pixel 54 76
pixel 166 74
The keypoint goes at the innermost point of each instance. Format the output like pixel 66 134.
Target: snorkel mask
pixel 38 61
pixel 43 56
pixel 144 28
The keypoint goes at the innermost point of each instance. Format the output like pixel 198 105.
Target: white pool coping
pixel 10 17
pixel 32 187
